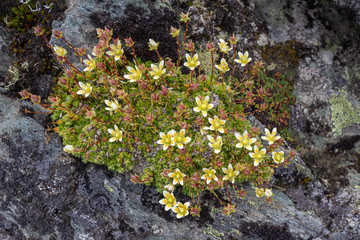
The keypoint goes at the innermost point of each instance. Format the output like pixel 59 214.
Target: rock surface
pixel 45 194
pixel 4 53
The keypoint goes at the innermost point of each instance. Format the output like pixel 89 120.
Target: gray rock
pixel 6 58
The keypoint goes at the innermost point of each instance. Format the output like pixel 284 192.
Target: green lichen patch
pixel 343 112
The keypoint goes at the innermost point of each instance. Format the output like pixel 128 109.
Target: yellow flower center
pixel 210 174
pixel 271 137
pixel 182 210
pixel 178 176
pixel 203 106
pixel 216 125
pixel 192 63
pixel 117 135
pixel 167 141
pixel 179 139
pixel 118 51
pixel 170 199
pixel 231 174
pixel 258 155
pixel 245 142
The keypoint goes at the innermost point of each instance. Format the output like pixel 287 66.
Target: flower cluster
pixel 166 127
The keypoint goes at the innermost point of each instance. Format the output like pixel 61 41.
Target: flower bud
pixel 165 91
pixel 174 32
pixel 101 66
pixel 210 47
pixel 57 34
pixel 195 211
pixel 219 164
pixel 149 118
pixel 53 99
pixel 62 81
pixel 24 94
pixel 195 178
pixel 169 64
pixel 165 173
pixel 210 187
pixel 35 99
pixel 153 45
pixel 184 17
pixel 113 82
pixel 142 68
pixel 155 97
pixel 181 107
pixel 195 86
pixel 188 160
pixel 261 91
pixel 248 83
pixel 190 46
pixel 129 42
pixel 81 51
pixel 38 31
pixel 69 73
pixel 127 119
pixel 135 179
pixel 233 40
pixel 90 113
pixel 184 125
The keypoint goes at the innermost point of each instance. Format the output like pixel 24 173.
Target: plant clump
pixel 166 127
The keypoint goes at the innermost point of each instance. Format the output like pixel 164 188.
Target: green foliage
pixel 165 126
pixel 343 113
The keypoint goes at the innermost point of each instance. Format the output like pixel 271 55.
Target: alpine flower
pixel 116 50
pixel 268 192
pixel 223 46
pixel 192 62
pixel 166 139
pixel 257 155
pixel 184 17
pixel 278 157
pixel 69 148
pixel 230 173
pixel 244 140
pixel 112 105
pixel 85 89
pixel 177 176
pixel 209 175
pixel 135 74
pixel 170 187
pixel 270 137
pixel 61 52
pixel 223 66
pixel 259 192
pixel 180 139
pixel 181 209
pixel 169 201
pixel 217 124
pixel 243 58
pixel 157 71
pixel 215 143
pixel 116 133
pixel 174 32
pixel 203 105
pixel 153 45
pixel 89 63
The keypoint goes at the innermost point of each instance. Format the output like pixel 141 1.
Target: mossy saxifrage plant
pixel 165 127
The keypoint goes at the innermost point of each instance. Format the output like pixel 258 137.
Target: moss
pixel 212 232
pixel 343 112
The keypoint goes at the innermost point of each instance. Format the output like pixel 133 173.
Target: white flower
pixel 85 89
pixel 203 105
pixel 112 105
pixel 116 133
pixel 69 148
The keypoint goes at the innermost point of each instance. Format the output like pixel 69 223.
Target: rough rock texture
pixel 45 194
pixel 4 53
pixel 140 19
